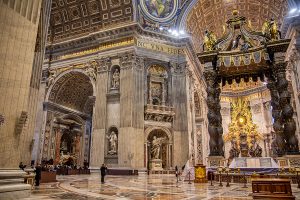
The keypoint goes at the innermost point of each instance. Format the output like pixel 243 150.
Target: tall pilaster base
pixel 289 161
pixel 200 174
pixel 12 184
pixel 215 161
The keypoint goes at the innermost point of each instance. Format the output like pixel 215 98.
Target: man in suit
pixel 103 171
pixel 38 174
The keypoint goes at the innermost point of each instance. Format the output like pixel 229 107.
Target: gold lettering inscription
pixel 160 47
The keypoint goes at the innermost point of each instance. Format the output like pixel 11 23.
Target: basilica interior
pixel 177 99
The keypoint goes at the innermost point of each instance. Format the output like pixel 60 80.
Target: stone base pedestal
pixel 156 164
pixel 294 160
pixel 216 161
pixel 12 184
pixel 200 174
pixel 282 162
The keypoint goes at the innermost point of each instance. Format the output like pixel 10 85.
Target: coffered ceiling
pixel 212 15
pixel 75 18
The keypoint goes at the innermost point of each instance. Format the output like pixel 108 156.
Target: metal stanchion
pixel 227 178
pixel 297 177
pixel 220 177
pixel 211 178
pixel 245 181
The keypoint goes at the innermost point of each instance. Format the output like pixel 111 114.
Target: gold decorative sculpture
pixel 270 30
pixel 242 130
pixel 210 41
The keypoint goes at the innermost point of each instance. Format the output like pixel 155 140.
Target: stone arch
pixel 72 89
pixel 62 74
pixel 166 130
pixel 181 22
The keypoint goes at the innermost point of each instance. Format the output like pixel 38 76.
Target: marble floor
pixel 154 187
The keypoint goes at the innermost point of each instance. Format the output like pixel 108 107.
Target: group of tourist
pixel 48 166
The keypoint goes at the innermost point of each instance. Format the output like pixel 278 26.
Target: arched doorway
pixel 159 149
pixel 69 105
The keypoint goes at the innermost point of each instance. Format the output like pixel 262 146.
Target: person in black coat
pixel 38 174
pixel 21 166
pixel 103 170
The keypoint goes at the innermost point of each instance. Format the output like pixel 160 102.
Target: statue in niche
pixel 255 150
pixel 156 147
pixel 116 79
pixel 113 143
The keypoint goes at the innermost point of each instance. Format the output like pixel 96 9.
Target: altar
pixel 264 165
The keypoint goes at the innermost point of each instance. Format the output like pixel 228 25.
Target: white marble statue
pixel 156 147
pixel 113 143
pixel 51 78
pixel 116 79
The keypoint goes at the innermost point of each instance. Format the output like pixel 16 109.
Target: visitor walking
pixel 176 173
pixel 103 171
pixel 38 174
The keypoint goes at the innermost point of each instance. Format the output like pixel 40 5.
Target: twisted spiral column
pixel 289 124
pixel 215 128
pixel 276 114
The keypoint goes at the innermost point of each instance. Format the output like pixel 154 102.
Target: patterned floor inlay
pixel 154 187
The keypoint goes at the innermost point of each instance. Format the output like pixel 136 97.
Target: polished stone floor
pixel 154 187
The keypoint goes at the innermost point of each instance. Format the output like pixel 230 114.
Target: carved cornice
pixel 159 113
pixel 50 106
pixel 104 64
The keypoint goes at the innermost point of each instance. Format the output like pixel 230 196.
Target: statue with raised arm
pixel 156 147
pixel 113 143
pixel 116 79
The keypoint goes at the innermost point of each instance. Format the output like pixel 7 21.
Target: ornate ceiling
pixel 73 91
pixel 212 14
pixel 74 18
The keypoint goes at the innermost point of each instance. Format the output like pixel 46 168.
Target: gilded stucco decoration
pixel 74 18
pixel 211 15
pixel 243 133
pixel 72 90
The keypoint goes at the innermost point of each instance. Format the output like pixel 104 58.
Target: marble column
pixel 19 25
pixel 58 134
pixel 100 111
pixel 215 128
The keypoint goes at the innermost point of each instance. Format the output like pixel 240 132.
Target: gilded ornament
pixel 210 41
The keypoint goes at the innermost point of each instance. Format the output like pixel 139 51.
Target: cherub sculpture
pixel 210 41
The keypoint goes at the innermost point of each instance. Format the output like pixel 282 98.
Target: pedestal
pixel 200 174
pixel 293 160
pixel 156 164
pixel 216 161
pixel 282 162
pixel 12 184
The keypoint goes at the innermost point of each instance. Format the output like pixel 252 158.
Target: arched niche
pixel 112 137
pixel 115 77
pixel 166 148
pixel 157 85
pixel 70 99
